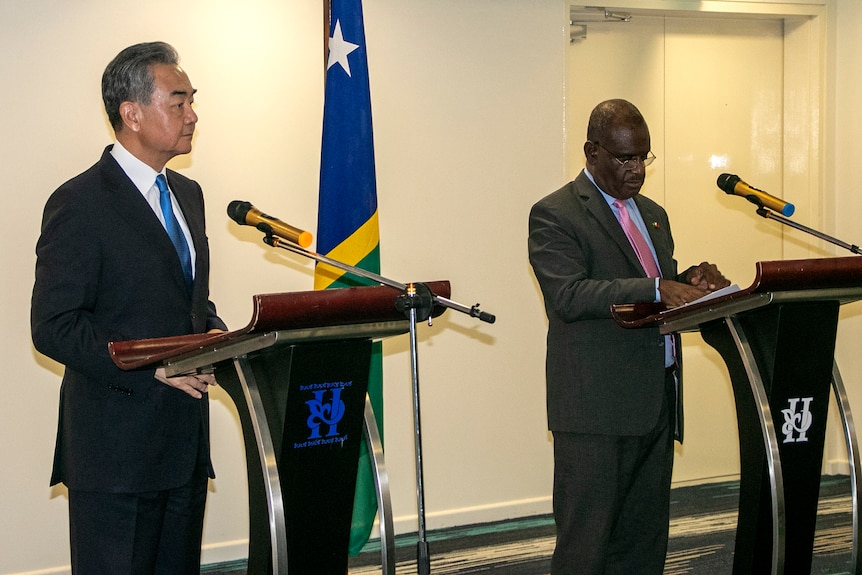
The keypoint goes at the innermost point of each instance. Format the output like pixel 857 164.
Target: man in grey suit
pixel 123 254
pixel 614 395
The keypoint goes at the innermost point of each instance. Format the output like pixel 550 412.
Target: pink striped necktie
pixel 637 240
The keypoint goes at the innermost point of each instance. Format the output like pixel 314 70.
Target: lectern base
pixel 309 400
pixel 781 384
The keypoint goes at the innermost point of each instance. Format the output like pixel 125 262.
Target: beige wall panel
pixel 842 184
pixel 616 60
pixel 724 114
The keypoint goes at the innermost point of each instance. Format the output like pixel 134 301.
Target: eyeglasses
pixel 630 162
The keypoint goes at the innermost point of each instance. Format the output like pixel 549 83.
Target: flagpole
pixel 327 10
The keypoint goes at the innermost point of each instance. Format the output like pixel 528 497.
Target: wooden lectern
pixel 778 340
pixel 298 375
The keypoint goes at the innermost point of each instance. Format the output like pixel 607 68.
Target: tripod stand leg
pixel 423 555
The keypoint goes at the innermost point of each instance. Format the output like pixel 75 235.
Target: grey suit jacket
pixel 106 270
pixel 601 378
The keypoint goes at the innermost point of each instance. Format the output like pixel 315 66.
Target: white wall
pixel 844 148
pixel 469 129
pixel 468 111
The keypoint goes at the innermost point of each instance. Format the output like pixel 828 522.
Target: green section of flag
pixel 371 262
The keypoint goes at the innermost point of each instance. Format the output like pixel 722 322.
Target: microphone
pixel 246 214
pixel 732 184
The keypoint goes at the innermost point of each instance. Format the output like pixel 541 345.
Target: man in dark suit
pixel 614 395
pixel 132 447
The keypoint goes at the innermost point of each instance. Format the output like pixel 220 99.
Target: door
pixel 712 92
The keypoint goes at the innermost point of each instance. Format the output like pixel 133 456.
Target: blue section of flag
pixel 348 190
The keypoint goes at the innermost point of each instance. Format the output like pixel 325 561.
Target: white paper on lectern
pixel 717 293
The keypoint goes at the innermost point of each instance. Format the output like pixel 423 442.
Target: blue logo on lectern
pixel 325 413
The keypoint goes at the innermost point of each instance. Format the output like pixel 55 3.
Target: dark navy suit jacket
pixel 106 270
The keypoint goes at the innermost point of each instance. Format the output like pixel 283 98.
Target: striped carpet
pixel 702 530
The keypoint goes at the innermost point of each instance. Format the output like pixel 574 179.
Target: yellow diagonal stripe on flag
pixel 351 251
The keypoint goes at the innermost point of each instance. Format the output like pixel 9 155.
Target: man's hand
pixel 675 294
pixel 696 283
pixel 194 385
pixel 706 276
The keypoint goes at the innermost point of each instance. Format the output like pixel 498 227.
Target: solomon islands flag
pixel 347 228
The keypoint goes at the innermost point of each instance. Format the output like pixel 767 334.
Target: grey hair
pixel 129 77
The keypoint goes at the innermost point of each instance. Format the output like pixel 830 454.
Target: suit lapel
pixel 123 197
pixel 599 208
pixel 659 234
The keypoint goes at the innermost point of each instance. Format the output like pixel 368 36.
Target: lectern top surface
pixel 296 312
pixel 837 279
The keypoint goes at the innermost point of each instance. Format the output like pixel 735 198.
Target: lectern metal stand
pixel 297 374
pixel 777 339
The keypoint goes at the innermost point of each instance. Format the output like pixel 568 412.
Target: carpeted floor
pixel 702 530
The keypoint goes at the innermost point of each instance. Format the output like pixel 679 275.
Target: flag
pixel 347 228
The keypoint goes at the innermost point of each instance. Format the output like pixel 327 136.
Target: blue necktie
pixel 173 228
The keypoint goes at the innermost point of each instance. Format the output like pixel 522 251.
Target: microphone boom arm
pixel 770 215
pixel 277 242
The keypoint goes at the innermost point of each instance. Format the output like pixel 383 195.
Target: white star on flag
pixel 339 48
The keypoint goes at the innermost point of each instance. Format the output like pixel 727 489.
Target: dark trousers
pixel 612 500
pixel 156 533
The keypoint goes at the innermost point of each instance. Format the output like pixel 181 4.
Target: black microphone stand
pixel 416 302
pixel 770 215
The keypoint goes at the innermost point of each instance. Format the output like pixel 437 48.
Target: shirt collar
pixel 608 198
pixel 142 175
